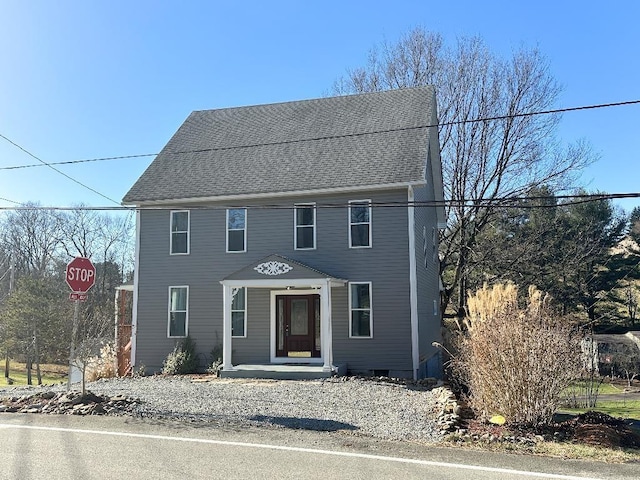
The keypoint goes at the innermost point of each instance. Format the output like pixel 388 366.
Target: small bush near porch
pixel 182 359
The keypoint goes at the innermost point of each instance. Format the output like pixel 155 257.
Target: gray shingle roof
pixel 336 142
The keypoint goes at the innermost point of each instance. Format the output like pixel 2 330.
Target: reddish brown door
pixel 298 326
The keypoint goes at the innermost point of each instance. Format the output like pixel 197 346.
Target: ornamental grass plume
pixel 516 361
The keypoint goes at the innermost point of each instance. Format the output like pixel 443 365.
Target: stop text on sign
pixel 81 274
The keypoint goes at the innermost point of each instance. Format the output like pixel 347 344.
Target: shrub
pixel 104 365
pixel 516 361
pixel 182 359
pixel 216 359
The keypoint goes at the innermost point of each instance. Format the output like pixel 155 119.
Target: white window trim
pixel 434 239
pixel 171 232
pixel 424 247
pixel 244 311
pixel 367 201
pixel 295 225
pixel 359 309
pixel 235 230
pixel 186 318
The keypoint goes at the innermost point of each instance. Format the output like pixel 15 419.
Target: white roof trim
pixel 296 193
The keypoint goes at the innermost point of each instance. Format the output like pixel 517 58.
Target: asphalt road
pixel 69 447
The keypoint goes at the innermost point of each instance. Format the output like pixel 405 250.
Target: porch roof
pixel 276 270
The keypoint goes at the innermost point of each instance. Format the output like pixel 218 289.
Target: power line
pixel 86 160
pixel 498 203
pixel 10 201
pixel 326 137
pixel 58 171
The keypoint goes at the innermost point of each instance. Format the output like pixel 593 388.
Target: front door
pixel 298 326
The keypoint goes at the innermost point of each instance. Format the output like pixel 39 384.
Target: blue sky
pixel 98 79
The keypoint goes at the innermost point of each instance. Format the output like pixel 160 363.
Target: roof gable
pixel 336 142
pixel 277 266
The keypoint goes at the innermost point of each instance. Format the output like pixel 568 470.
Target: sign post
pixel 80 276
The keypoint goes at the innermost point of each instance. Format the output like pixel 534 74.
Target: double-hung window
pixel 179 232
pixel 305 226
pixel 360 223
pixel 239 312
pixel 178 312
pixel 236 230
pixel 360 318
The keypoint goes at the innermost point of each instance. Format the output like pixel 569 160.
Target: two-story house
pixel 298 233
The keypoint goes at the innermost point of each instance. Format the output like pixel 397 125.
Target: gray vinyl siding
pixel 270 231
pixel 429 325
pixel 254 349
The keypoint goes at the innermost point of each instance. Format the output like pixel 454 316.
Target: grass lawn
pixel 616 408
pixel 605 388
pixel 617 404
pixel 51 373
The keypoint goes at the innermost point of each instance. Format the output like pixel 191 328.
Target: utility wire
pixel 86 160
pixel 327 137
pixel 10 201
pixel 513 202
pixel 58 171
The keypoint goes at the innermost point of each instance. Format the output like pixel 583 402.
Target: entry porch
pixel 296 303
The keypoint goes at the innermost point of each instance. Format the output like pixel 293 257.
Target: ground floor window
pixel 178 311
pixel 360 318
pixel 239 312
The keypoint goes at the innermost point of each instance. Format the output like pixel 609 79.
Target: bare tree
pixel 492 149
pixel 102 237
pixel 31 236
pixel 39 243
pixel 94 329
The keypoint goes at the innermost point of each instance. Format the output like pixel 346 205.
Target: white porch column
pixel 226 328
pixel 325 322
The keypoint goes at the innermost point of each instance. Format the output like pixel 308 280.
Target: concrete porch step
pixel 282 371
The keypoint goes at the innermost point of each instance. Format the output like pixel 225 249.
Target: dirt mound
pixel 73 403
pixel 594 428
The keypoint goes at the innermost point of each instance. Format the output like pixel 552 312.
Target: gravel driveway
pixel 363 406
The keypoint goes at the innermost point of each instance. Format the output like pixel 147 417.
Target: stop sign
pixel 81 274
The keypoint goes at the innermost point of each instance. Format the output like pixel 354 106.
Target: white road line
pixel 303 450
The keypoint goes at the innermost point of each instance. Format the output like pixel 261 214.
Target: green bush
pixel 182 359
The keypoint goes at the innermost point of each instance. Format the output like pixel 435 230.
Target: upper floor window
pixel 305 226
pixel 360 223
pixel 179 232
pixel 360 318
pixel 178 311
pixel 237 230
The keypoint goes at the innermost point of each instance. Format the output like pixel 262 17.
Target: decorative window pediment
pixel 273 268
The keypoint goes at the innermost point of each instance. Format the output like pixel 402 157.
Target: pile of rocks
pixel 450 410
pixel 70 403
pixel 456 420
